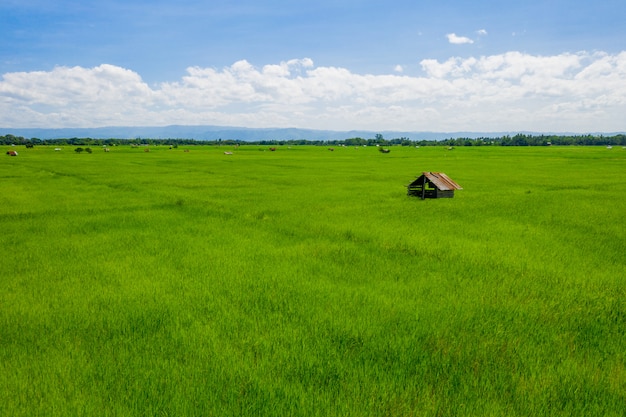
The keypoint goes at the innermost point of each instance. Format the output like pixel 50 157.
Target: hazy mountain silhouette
pixel 235 133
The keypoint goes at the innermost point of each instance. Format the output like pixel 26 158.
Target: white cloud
pixel 398 68
pixel 458 40
pixel 511 91
pixel 481 32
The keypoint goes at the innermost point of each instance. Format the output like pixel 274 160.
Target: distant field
pixel 304 282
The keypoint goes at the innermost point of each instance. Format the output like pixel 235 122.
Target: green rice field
pixel 304 282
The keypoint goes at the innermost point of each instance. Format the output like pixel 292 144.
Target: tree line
pixel 507 140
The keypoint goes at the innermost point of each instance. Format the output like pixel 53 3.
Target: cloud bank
pixel 580 92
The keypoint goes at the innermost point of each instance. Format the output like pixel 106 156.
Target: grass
pixel 304 282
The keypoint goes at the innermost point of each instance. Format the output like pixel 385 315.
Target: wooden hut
pixel 433 185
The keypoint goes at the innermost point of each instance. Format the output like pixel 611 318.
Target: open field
pixel 304 282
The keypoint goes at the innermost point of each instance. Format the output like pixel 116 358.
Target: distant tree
pixel 405 141
pixel 355 142
pixel 78 150
pixel 379 139
pixel 519 140
pixel 88 150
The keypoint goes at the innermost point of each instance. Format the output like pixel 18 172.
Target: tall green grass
pixel 304 282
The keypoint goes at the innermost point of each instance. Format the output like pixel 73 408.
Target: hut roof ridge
pixel 442 181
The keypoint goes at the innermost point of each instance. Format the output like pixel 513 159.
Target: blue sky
pixel 330 64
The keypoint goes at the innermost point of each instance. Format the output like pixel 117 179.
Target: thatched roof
pixel 439 180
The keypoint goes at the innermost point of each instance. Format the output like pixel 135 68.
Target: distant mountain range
pixel 239 133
